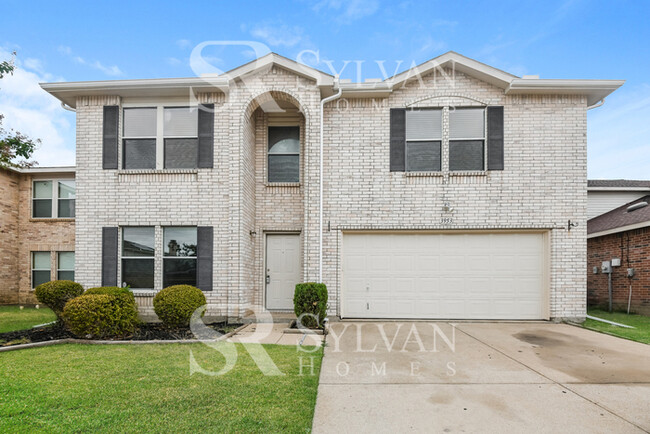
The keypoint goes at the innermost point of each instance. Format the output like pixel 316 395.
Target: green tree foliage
pixel 15 148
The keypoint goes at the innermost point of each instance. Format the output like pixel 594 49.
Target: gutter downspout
pixel 68 108
pixel 320 175
pixel 598 104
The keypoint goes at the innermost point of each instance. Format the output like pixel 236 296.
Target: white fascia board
pixel 461 63
pixel 614 189
pixel 67 92
pixel 43 170
pixel 595 90
pixel 366 90
pixel 619 229
pixel 321 78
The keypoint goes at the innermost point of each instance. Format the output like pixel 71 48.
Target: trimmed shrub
pixel 57 293
pixel 311 298
pixel 175 305
pixel 103 312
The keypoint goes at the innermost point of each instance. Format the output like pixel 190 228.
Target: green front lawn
pixel 641 332
pixel 13 318
pixel 148 388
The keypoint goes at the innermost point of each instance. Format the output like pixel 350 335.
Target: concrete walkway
pixel 274 333
pixel 481 377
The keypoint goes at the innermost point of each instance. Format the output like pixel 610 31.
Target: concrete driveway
pixel 481 377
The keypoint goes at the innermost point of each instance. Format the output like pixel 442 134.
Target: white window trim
pixel 58 268
pixel 121 247
pixel 483 139
pixel 268 172
pixel 160 133
pixel 446 140
pixel 164 257
pixel 54 198
pixel 441 140
pixel 32 269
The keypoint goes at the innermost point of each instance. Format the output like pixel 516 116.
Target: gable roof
pixel 620 219
pixel 594 90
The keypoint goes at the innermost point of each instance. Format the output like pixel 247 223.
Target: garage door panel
pixel 440 276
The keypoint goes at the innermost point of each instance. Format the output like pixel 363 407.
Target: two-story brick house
pixel 37 208
pixel 452 190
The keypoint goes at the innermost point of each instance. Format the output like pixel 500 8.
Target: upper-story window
pixel 170 132
pixel 466 139
pixel 53 199
pixel 140 131
pixel 284 154
pixel 423 140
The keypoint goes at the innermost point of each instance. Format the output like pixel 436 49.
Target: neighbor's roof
pixel 618 184
pixel 594 90
pixel 42 170
pixel 620 219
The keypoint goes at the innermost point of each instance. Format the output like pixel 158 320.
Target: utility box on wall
pixel 606 267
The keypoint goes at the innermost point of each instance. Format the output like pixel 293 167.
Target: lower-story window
pixel 138 251
pixel 179 256
pixel 40 268
pixel 65 266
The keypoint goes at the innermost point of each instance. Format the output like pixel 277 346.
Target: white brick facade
pixel 543 185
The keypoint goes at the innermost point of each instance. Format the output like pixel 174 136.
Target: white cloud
pixel 619 136
pixel 350 10
pixel 32 111
pixel 278 34
pixel 184 43
pixel 112 70
pixel 173 61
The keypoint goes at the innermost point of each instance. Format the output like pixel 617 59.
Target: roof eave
pixel 619 229
pixel 595 90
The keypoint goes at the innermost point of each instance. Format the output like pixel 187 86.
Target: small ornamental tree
pixel 15 148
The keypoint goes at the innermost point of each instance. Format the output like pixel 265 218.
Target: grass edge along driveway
pixel 641 332
pixel 148 388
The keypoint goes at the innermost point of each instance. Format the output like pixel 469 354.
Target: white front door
pixel 282 270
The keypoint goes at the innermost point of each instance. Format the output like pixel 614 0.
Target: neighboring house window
pixel 179 256
pixel 66 202
pixel 140 131
pixel 423 140
pixel 138 250
pixel 180 129
pixel 466 139
pixel 65 266
pixel 53 198
pixel 284 154
pixel 40 268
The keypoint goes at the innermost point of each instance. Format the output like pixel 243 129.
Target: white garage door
pixel 444 276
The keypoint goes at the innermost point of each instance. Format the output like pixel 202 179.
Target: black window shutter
pixel 495 138
pixel 109 256
pixel 397 139
pixel 206 135
pixel 205 240
pixel 110 136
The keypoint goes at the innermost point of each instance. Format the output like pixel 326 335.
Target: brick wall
pixel 9 182
pixel 633 248
pixel 26 235
pixel 543 185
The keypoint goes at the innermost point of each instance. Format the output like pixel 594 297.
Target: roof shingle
pixel 620 217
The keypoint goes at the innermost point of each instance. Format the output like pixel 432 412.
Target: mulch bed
pixel 146 332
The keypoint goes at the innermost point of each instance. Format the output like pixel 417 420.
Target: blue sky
pixel 77 41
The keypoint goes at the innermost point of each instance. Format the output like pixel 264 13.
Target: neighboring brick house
pixel 623 234
pixel 603 195
pixel 447 190
pixel 37 229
